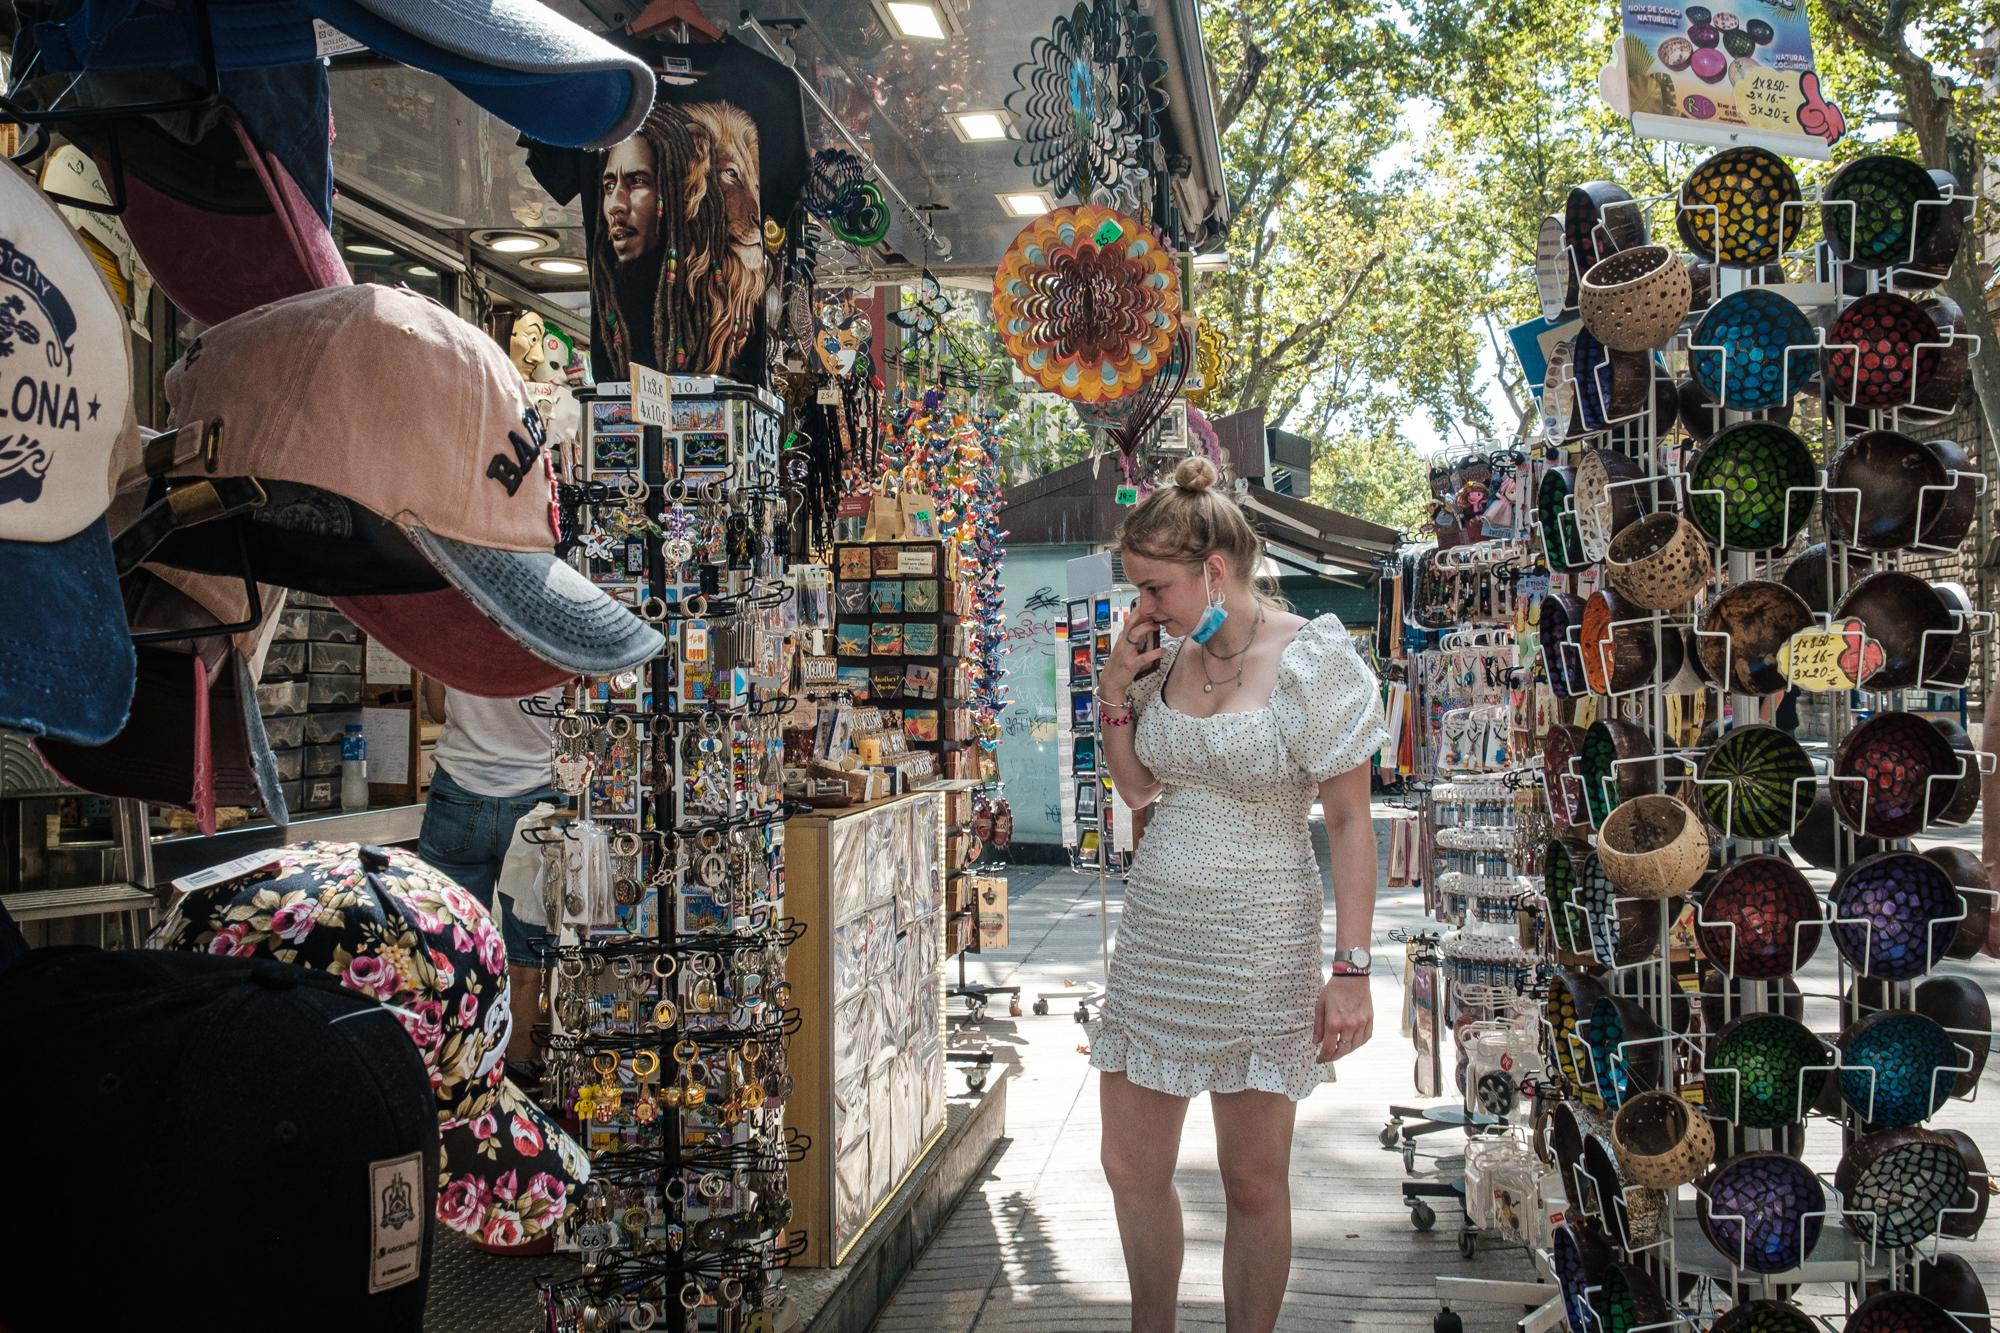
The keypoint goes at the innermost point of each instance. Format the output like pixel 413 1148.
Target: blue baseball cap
pixel 552 79
pixel 66 434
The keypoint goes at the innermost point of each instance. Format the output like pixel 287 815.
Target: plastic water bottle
pixel 354 769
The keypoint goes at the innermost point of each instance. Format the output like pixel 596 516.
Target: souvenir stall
pixel 1463 709
pixel 1754 1037
pixel 647 410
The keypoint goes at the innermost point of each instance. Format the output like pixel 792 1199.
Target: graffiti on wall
pixel 1028 760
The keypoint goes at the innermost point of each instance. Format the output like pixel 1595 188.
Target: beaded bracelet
pixel 1124 721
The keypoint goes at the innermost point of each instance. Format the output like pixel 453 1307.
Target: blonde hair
pixel 1192 519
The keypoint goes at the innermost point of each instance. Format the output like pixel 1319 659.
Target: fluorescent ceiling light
pixel 1217 260
pixel 422 271
pixel 517 243
pixel 371 251
pixel 564 267
pixel 980 126
pixel 1026 203
pixel 915 19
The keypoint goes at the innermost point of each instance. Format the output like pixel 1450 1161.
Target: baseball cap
pixel 229 203
pixel 534 69
pixel 66 434
pixel 194 738
pixel 407 478
pixel 391 927
pixel 234 1116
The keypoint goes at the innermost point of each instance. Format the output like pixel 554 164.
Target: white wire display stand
pixel 1846 1253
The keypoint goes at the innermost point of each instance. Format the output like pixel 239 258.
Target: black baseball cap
pixel 248 1136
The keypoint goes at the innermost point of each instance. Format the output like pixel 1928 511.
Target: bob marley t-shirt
pixel 689 220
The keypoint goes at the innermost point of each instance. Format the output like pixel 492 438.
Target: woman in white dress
pixel 1217 983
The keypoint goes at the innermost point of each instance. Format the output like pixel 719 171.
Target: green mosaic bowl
pixel 1759 1071
pixel 1755 466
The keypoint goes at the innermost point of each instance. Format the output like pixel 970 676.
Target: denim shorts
pixel 466 835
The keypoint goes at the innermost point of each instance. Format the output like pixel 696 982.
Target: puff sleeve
pixel 1327 701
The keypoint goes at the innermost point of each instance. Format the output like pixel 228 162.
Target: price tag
pixel 651 398
pixel 1108 234
pixel 829 396
pixel 1839 657
pixel 1127 495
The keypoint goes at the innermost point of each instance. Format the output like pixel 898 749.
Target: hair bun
pixel 1196 474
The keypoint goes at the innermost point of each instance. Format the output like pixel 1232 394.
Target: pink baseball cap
pixel 216 262
pixel 406 477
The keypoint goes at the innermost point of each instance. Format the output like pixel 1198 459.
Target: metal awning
pixel 412 144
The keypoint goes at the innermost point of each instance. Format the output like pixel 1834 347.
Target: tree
pixel 1373 473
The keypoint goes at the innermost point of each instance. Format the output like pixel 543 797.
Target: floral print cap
pixel 391 927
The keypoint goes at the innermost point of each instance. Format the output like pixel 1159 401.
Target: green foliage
pixel 1391 164
pixel 1373 473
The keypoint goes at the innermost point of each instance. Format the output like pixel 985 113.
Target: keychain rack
pixel 668 1035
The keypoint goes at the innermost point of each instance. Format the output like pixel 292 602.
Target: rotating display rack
pixel 1745 451
pixel 664 900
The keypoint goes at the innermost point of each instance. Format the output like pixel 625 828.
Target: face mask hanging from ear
pixel 1211 619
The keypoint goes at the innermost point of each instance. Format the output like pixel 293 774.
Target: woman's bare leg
pixel 1253 1146
pixel 1141 1144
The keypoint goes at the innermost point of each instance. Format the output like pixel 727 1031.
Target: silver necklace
pixel 1240 656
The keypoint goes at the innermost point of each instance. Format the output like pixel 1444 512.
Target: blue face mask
pixel 1211 620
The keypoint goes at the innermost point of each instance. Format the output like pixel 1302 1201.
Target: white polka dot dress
pixel 1217 964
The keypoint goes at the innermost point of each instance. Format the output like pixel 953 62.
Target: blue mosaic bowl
pixel 1579 1260
pixel 1894 915
pixel 1763 1210
pixel 1755 328
pixel 1896 1068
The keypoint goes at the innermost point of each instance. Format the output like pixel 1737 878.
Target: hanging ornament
pixel 843 336
pixel 1211 362
pixel 1088 303
pixel 1085 104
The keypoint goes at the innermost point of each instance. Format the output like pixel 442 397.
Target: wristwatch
pixel 1351 962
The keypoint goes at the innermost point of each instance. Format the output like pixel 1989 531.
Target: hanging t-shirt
pixel 678 217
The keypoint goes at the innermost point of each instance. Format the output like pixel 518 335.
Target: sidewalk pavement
pixel 1034 1244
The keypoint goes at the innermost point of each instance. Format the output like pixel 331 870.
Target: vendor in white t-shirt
pixel 493 766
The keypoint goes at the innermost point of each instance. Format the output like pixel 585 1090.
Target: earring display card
pixel 851 639
pixel 920 596
pixel 921 682
pixel 851 598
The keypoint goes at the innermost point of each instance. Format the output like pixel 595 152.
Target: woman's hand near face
pixel 1136 649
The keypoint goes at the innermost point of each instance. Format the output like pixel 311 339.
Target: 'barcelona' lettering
pixel 511 472
pixel 45 404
